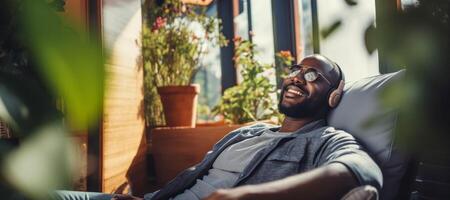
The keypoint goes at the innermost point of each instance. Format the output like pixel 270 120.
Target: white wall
pixel 346 46
pixel 123 128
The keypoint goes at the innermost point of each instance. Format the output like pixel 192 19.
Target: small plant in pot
pixel 254 99
pixel 175 37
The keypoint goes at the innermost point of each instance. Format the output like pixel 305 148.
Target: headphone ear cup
pixel 335 96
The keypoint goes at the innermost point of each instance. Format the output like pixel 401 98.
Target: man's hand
pixel 125 197
pixel 239 193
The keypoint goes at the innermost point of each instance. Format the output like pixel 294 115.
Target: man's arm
pixel 328 182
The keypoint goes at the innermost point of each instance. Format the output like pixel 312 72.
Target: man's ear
pixel 336 95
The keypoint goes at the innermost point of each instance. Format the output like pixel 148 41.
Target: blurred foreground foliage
pixel 416 38
pixel 47 65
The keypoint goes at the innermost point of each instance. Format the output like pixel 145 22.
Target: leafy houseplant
pixel 174 39
pixel 43 57
pixel 254 98
pixel 285 59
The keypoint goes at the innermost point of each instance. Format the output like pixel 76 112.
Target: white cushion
pixel 361 114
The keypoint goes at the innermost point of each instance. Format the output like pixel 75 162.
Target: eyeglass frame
pixel 301 68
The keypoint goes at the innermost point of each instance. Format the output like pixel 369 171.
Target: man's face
pixel 301 98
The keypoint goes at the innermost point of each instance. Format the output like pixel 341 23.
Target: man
pixel 302 159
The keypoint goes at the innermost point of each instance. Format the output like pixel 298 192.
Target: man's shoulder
pixel 333 132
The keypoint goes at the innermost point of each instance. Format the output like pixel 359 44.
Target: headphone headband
pixel 341 75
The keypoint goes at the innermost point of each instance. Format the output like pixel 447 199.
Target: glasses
pixel 309 74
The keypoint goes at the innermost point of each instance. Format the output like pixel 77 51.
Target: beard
pixel 305 109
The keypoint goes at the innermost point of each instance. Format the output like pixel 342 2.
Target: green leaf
pixel 370 39
pixel 43 163
pixel 70 61
pixel 329 30
pixel 351 2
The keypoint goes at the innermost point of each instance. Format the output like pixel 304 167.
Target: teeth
pixel 296 92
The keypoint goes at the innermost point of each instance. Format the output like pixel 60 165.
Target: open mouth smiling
pixel 294 91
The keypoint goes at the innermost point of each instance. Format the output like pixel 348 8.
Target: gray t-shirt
pixel 228 165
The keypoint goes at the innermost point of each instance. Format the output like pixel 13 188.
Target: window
pixel 351 22
pixel 306 27
pixel 209 76
pixel 262 34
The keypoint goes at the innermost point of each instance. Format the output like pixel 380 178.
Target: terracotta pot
pixel 179 104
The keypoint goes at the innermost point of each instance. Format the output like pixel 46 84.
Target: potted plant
pixel 175 36
pixel 254 99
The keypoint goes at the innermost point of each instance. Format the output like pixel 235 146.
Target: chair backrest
pixel 361 113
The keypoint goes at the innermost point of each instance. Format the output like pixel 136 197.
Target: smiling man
pixel 302 159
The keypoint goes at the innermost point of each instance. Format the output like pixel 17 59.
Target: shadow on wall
pixel 124 139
